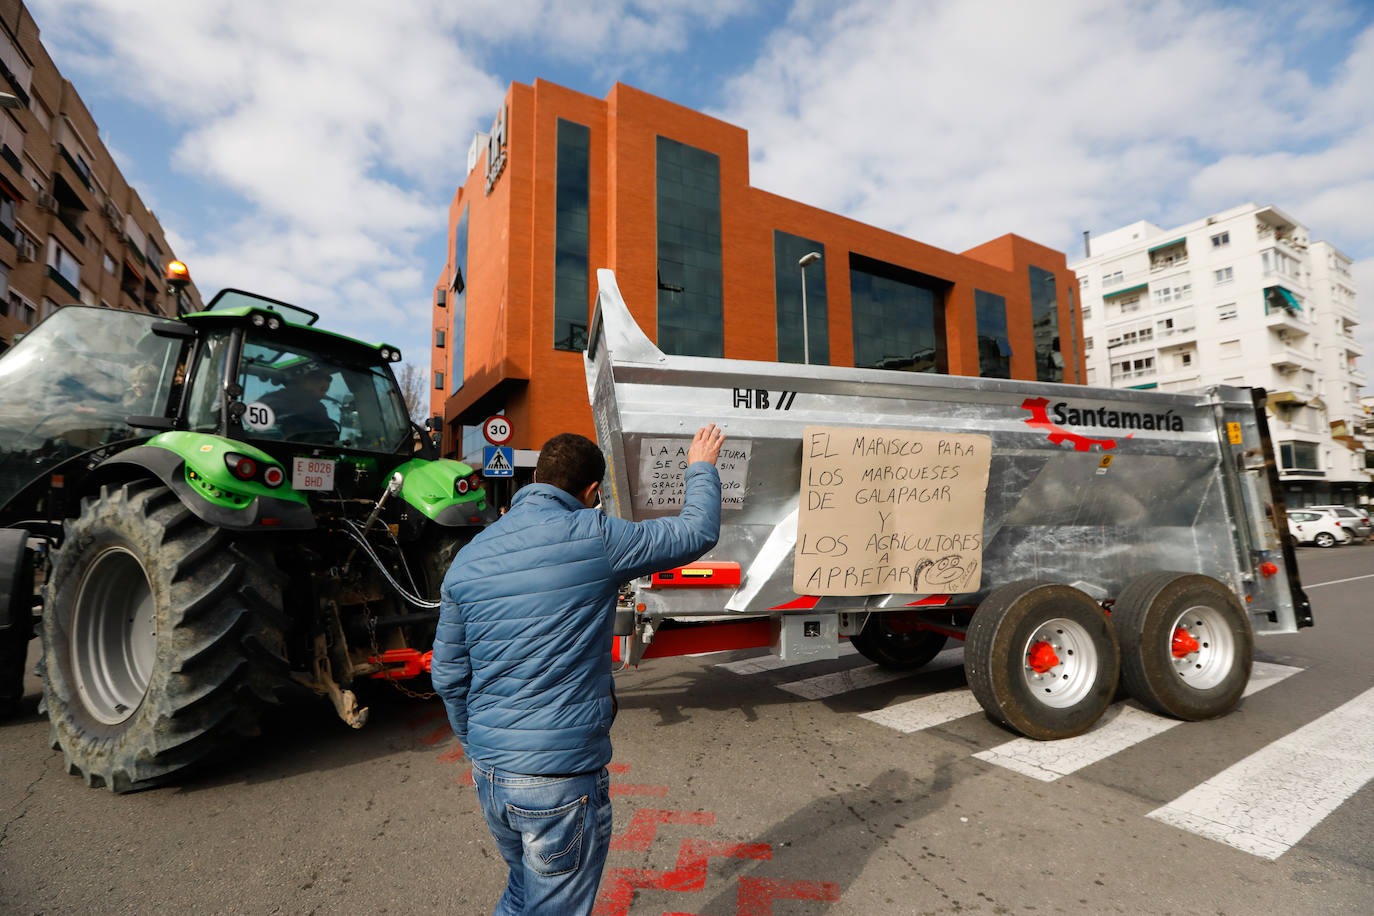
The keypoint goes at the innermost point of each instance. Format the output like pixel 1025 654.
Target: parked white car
pixel 1311 527
pixel 1356 520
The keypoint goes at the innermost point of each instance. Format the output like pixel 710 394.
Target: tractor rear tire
pixel 162 639
pixel 1042 658
pixel 16 603
pixel 888 644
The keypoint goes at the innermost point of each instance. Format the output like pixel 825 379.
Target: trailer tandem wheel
pixel 1186 644
pixel 1041 658
pixel 894 640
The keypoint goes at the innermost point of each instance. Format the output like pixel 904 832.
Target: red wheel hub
pixel 1041 657
pixel 1183 644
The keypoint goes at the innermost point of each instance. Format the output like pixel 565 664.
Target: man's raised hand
pixel 706 444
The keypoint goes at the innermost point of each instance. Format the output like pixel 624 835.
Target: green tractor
pixel 203 516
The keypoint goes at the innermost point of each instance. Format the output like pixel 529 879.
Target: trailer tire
pixel 16 617
pixel 1186 644
pixel 1042 659
pixel 162 639
pixel 888 644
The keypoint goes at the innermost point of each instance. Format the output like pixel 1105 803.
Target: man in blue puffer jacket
pixel 522 659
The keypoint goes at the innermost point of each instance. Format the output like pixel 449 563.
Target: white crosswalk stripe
pixel 1248 806
pixel 1124 725
pixel 1273 798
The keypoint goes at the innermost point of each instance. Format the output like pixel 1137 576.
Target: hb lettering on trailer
pixel 761 399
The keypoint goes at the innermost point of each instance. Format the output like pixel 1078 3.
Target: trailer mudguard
pixel 193 466
pixel 444 492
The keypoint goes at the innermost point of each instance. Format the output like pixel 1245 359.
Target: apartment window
pixel 1049 362
pixel 1112 278
pixel 1132 368
pixel 460 300
pixel 1185 359
pixel 439 338
pixel 63 267
pixel 1165 294
pixel 994 344
pixel 788 249
pixel 1128 304
pixel 6 217
pixel 5 290
pixel 1221 239
pixel 108 263
pixel 1225 275
pixel 22 308
pixel 438 381
pixel 570 274
pixel 1087 312
pixel 1230 349
pixel 19 74
pixel 898 317
pixel 1083 282
pixel 1226 312
pixel 1087 344
pixel 690 310
pixel 1300 456
pixel 1131 337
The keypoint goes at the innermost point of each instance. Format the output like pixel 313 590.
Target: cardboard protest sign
pixel 890 510
pixel 663 473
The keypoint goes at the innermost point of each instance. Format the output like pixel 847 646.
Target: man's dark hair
pixel 570 462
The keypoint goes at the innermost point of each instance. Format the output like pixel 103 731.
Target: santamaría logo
pixel 1094 418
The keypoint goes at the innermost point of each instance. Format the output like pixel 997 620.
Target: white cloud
pixel 955 122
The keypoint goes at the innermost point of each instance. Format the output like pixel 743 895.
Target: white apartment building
pixel 1242 297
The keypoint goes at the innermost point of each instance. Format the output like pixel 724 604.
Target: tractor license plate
pixel 313 474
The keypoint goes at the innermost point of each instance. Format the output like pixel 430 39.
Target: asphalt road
pixel 743 787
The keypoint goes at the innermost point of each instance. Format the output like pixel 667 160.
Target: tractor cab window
pixel 72 382
pixel 303 395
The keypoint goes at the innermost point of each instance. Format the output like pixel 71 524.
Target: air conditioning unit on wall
pixel 28 251
pixel 46 201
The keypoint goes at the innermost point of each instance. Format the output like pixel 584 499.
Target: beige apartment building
pixel 71 228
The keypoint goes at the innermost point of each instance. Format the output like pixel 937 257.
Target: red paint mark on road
pixel 465 779
pixel 625 788
pixel 618 767
pixel 452 756
pixel 439 734
pixel 756 895
pixel 644 826
pixel 689 875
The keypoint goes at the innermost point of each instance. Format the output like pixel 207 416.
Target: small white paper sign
pixel 663 469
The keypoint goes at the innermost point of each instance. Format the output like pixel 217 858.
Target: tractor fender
pixel 257 512
pixel 432 488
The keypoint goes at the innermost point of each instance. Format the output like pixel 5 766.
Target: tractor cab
pixel 78 383
pixel 264 375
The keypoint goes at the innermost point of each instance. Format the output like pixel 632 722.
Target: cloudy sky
pixel 308 149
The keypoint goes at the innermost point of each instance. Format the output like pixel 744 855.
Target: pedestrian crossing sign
pixel 498 461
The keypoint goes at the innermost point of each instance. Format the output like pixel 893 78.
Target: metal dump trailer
pixel 1127 536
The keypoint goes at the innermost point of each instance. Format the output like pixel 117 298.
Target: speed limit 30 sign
pixel 498 430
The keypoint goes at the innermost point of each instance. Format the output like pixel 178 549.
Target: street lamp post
pixel 809 258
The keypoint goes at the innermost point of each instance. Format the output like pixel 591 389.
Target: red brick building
pixel 709 265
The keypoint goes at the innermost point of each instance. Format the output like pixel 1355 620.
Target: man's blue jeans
pixel 553 832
